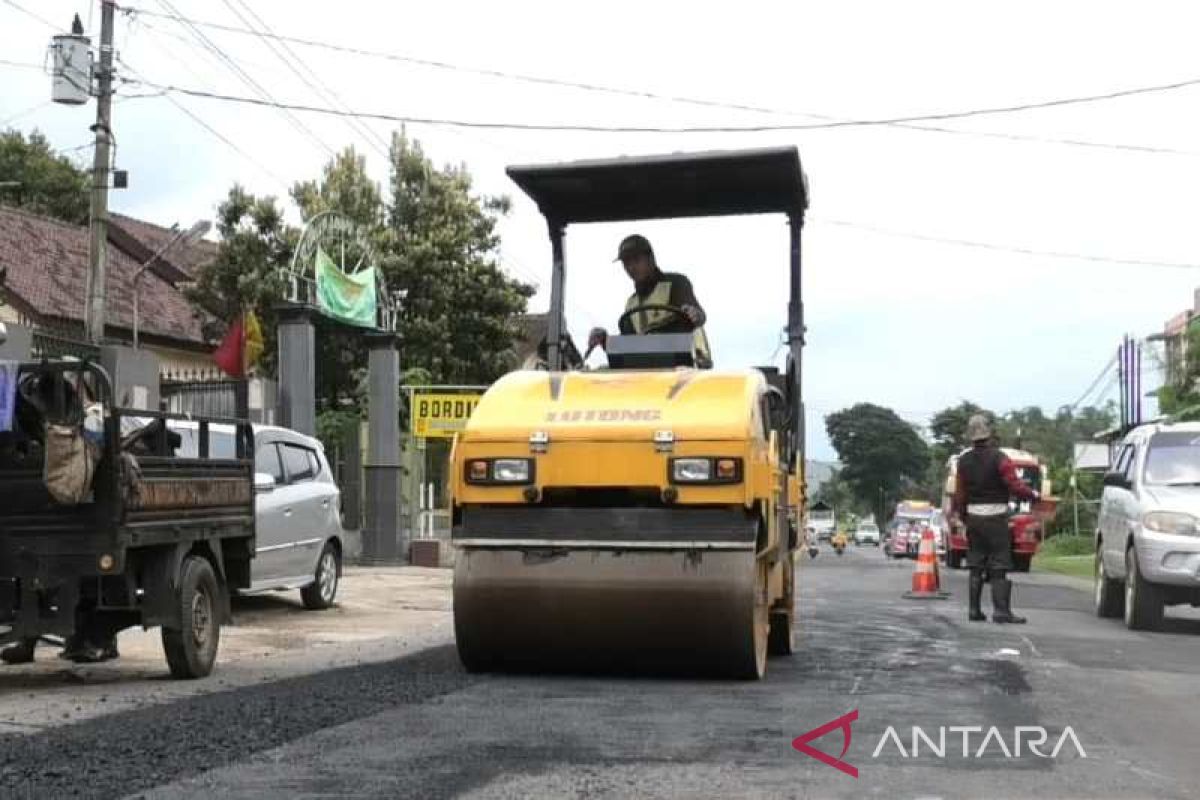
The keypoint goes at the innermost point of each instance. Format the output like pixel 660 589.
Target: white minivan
pixel 298 528
pixel 1148 532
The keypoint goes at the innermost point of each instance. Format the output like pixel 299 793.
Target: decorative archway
pixel 332 238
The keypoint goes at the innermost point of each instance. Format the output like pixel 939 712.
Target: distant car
pixel 867 533
pixel 1148 537
pixel 298 529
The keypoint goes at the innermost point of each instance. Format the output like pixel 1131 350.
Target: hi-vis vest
pixel 648 321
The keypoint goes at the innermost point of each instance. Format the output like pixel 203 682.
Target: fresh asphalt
pixel 421 727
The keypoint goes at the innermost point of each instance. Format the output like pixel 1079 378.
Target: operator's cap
pixel 978 428
pixel 634 245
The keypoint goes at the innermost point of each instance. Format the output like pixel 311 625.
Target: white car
pixel 298 529
pixel 1148 537
pixel 867 533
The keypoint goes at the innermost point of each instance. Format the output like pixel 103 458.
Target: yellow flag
pixel 254 341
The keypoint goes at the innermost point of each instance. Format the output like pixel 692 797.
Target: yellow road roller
pixel 640 518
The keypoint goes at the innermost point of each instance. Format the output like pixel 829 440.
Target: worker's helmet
pixel 633 246
pixel 978 428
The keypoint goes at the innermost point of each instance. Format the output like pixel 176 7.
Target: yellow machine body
pixel 602 558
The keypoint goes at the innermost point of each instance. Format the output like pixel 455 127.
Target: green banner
pixel 347 298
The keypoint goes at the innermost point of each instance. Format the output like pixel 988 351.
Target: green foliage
pixel 433 240
pixel 335 424
pixel 458 317
pixel 838 494
pixel 1180 397
pixel 883 458
pixel 44 182
pixel 949 430
pixel 255 245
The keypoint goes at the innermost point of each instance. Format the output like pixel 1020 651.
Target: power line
pixel 709 103
pixel 215 133
pixel 1003 248
pixel 232 65
pixel 22 64
pixel 25 112
pixel 1112 362
pixel 31 14
pixel 295 65
pixel 590 128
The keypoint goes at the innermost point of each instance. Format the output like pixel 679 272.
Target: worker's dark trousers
pixel 989 557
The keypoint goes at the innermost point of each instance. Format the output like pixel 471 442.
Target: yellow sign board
pixel 441 415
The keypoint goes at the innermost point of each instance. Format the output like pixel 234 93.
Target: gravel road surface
pixel 420 727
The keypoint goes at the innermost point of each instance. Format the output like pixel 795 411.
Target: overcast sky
pixel 908 323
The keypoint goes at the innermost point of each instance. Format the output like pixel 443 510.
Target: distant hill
pixel 817 472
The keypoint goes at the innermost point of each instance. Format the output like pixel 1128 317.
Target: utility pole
pixel 98 247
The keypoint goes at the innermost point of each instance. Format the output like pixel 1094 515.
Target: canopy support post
pixel 558 276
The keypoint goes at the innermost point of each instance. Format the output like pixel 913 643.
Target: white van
pixel 1148 536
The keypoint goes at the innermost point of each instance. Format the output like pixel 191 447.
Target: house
pixel 531 346
pixel 1174 340
pixel 43 280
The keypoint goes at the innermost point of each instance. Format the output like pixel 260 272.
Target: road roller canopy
pixel 761 181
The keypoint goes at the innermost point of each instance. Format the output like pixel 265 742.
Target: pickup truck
pixel 155 540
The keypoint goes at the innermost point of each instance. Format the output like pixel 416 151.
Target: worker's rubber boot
pixel 1002 600
pixel 975 596
pixel 19 653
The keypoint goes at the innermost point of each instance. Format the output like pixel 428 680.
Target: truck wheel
pixel 1143 600
pixel 1109 594
pixel 321 592
pixel 1021 562
pixel 192 649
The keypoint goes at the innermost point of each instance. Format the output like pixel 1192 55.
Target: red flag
pixel 231 353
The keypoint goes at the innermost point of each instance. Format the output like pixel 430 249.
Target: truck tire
pixel 1143 600
pixel 1021 562
pixel 1109 593
pixel 192 649
pixel 321 593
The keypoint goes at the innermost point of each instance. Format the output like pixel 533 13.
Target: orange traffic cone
pixel 925 580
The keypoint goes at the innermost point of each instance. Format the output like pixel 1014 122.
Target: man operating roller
pixel 985 481
pixel 662 302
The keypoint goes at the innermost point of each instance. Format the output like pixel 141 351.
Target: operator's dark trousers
pixel 989 545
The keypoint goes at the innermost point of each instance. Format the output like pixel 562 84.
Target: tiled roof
pixel 46 270
pixel 187 259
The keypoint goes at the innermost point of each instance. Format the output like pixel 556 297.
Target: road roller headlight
pixel 706 470
pixel 500 471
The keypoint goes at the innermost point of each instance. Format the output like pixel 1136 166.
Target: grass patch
pixel 1076 566
pixel 1067 546
pixel 1066 555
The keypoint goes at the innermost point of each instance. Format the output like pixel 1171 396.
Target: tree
pixel 948 429
pixel 34 177
pixel 1180 396
pixel 458 318
pixel 882 456
pixel 838 494
pixel 245 275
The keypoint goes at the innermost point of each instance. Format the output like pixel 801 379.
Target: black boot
pixel 975 595
pixel 19 653
pixel 1002 600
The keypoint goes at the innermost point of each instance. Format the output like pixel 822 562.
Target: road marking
pixel 854 689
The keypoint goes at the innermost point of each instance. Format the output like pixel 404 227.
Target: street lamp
pixel 185 237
